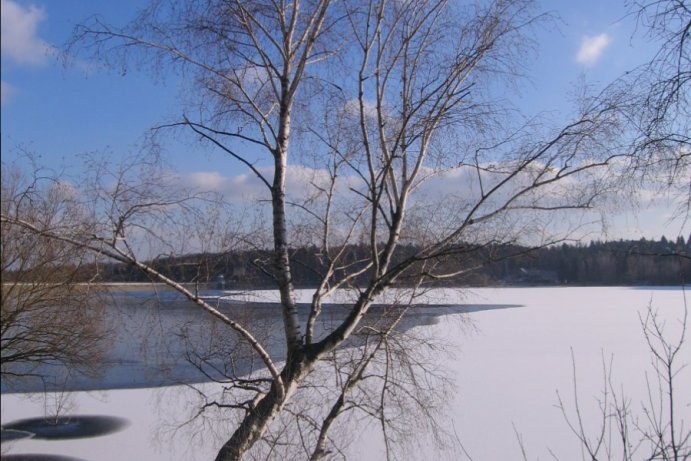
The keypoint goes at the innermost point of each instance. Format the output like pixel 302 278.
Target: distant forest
pixel 622 262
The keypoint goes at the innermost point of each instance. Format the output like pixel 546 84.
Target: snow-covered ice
pixel 507 369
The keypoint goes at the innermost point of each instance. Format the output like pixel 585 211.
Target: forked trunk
pixel 256 422
pixel 252 427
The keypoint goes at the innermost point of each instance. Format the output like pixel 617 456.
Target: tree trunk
pixel 252 427
pixel 257 421
pixel 282 258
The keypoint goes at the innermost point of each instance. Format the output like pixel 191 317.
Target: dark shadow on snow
pixel 10 435
pixel 39 457
pixel 68 427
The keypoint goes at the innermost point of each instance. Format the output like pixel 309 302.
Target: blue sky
pixel 57 112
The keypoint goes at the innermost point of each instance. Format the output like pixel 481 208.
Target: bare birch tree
pixel 665 80
pixel 368 102
pixel 655 98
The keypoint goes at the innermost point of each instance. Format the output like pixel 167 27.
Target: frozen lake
pixel 506 363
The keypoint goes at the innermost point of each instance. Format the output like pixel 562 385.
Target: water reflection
pixel 163 339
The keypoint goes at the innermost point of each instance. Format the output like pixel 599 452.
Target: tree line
pixel 616 262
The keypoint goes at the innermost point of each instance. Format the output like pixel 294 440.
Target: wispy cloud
pixel 7 92
pixel 592 48
pixel 442 202
pixel 234 188
pixel 20 41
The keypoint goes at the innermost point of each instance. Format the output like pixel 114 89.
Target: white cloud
pixel 592 48
pixel 352 108
pixel 207 180
pixel 7 92
pixel 20 41
pixel 439 204
pixel 234 188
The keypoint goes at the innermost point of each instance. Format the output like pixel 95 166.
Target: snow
pixel 507 370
